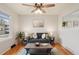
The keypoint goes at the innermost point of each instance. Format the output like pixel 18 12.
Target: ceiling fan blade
pixel 29 5
pixel 48 5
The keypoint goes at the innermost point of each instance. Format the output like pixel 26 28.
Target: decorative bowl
pixel 37 43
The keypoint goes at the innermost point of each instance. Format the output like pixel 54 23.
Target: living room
pixel 53 23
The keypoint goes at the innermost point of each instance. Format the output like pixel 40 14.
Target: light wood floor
pixel 14 50
pixel 63 50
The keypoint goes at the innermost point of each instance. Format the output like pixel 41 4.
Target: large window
pixel 4 24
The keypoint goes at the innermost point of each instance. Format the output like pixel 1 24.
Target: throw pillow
pixel 43 36
pixel 35 35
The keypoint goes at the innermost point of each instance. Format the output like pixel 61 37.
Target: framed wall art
pixel 38 23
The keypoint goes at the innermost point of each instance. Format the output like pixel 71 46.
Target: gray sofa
pixel 39 39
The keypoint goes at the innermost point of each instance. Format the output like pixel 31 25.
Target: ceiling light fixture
pixel 38 11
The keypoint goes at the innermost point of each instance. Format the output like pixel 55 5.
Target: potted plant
pixel 20 37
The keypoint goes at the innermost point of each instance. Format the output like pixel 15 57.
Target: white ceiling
pixel 59 9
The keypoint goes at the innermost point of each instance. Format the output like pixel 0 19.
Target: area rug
pixel 54 51
pixel 21 52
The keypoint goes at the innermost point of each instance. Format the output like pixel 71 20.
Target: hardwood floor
pixel 14 50
pixel 60 48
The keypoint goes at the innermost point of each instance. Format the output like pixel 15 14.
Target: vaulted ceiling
pixel 59 9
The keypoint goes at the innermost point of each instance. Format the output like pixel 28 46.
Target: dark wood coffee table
pixel 41 46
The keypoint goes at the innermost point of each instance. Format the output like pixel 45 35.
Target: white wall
pixel 70 36
pixel 50 22
pixel 6 42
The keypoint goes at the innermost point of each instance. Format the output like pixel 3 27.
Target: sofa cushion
pixel 39 40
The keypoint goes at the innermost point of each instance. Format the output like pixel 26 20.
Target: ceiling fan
pixel 39 6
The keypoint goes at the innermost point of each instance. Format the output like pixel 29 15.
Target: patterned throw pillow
pixel 43 36
pixel 34 35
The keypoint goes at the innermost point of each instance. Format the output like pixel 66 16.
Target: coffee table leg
pixel 27 51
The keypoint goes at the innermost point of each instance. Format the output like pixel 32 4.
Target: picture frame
pixel 38 23
pixel 64 24
pixel 75 23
